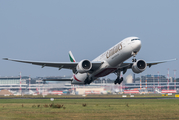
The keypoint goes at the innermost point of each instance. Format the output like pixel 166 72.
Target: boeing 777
pixel 111 61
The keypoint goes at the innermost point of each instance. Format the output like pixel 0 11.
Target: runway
pixel 90 98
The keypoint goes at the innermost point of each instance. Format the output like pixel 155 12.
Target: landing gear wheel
pixel 115 82
pixel 134 60
pixel 118 80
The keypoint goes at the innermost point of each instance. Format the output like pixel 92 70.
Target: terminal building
pixel 150 83
pixel 14 83
pixel 13 80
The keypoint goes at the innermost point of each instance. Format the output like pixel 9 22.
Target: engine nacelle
pixel 84 66
pixel 79 78
pixel 139 66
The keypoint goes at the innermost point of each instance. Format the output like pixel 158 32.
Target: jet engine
pixel 79 78
pixel 139 66
pixel 84 66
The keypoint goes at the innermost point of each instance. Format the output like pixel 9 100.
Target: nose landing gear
pixel 134 60
pixel 134 54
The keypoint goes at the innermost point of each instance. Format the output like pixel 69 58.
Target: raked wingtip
pixel 5 59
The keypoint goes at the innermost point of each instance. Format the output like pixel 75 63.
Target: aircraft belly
pixel 105 72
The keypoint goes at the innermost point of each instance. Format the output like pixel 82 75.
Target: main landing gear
pixel 118 80
pixel 88 81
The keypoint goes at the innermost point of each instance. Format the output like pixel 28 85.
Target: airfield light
pixel 52 99
pixel 168 80
pixel 146 84
pixel 153 83
pixel 175 78
pixel 20 85
pixel 158 79
pixel 121 84
pixel 29 83
pixel 140 81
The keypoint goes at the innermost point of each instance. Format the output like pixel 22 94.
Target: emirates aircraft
pixel 111 61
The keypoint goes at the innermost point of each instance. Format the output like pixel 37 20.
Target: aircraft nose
pixel 137 45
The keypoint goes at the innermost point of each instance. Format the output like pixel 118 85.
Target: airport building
pixel 13 80
pixel 154 78
pixel 149 83
pixel 13 83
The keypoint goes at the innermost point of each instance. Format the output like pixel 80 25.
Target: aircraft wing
pixel 63 79
pixel 67 65
pixel 60 65
pixel 158 62
pixel 128 65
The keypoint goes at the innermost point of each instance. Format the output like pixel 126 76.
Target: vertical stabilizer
pixel 72 59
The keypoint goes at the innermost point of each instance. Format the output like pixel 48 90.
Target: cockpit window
pixel 135 39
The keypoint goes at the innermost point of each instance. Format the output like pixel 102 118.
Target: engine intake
pixel 139 66
pixel 84 66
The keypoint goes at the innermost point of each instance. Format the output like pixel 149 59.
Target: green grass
pixel 100 109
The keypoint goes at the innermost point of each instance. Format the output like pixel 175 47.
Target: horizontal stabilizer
pixel 65 79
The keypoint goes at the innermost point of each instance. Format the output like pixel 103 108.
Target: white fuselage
pixel 111 59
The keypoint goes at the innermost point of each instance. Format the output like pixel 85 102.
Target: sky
pixel 47 30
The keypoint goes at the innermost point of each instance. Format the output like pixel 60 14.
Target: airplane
pixel 111 61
